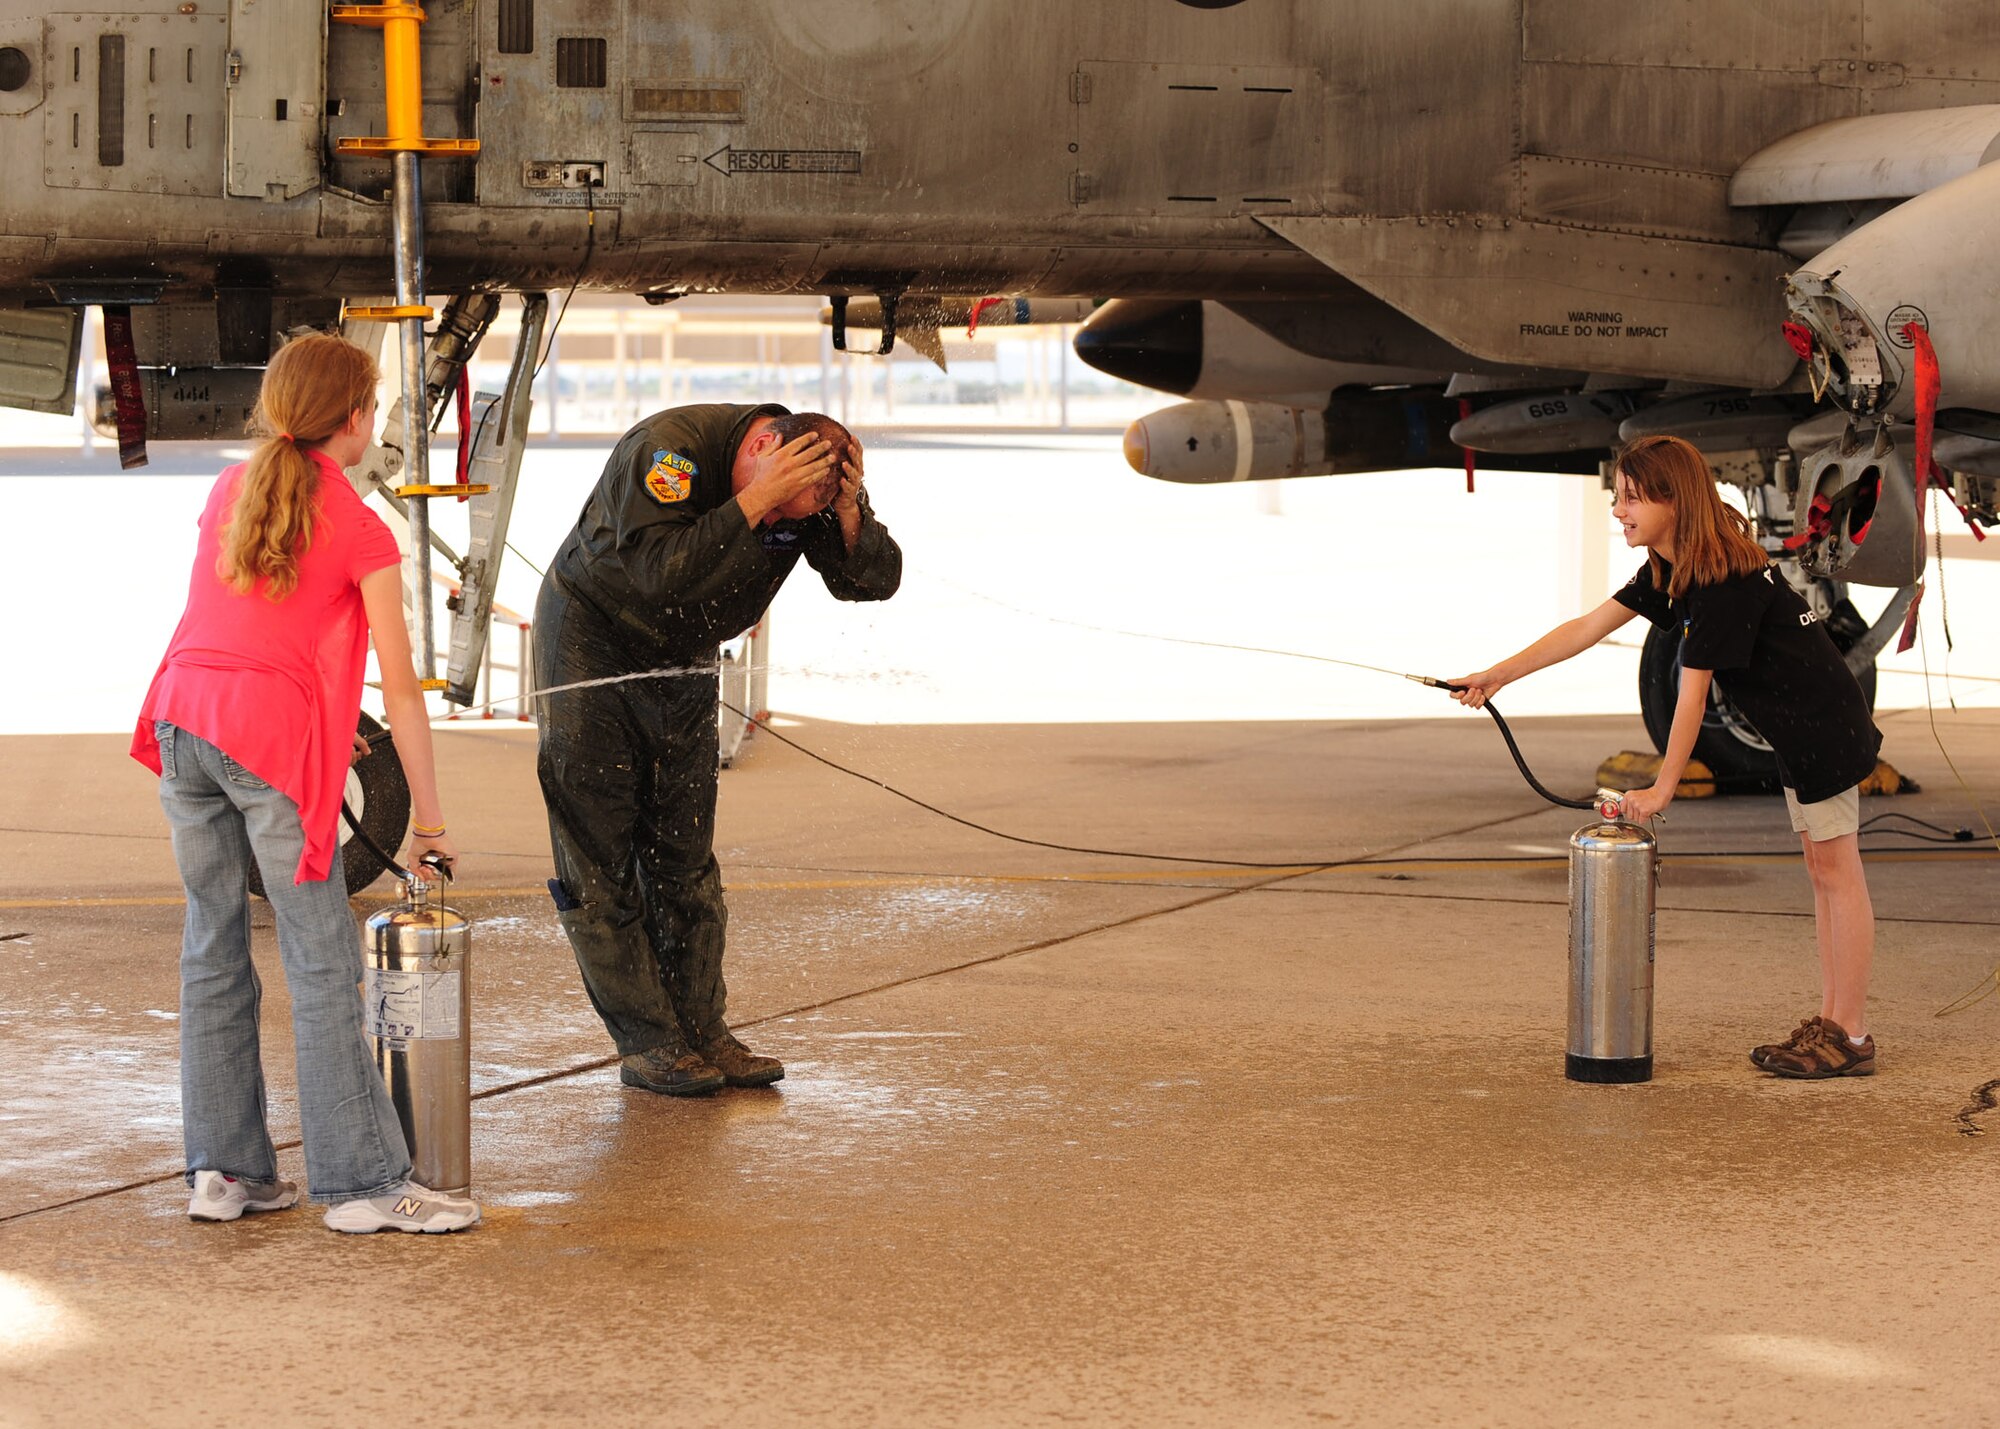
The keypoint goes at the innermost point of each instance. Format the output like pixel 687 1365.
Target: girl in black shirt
pixel 1706 575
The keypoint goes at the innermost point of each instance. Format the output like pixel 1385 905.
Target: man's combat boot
pixel 739 1065
pixel 673 1070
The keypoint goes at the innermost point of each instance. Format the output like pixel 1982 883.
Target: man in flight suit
pixel 698 518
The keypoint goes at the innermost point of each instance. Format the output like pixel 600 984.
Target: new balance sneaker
pixel 409 1207
pixel 217 1197
pixel 1760 1055
pixel 1823 1052
pixel 740 1066
pixel 671 1070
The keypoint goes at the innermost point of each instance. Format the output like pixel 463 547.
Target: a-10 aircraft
pixel 1366 236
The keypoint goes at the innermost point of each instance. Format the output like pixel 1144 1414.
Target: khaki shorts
pixel 1828 819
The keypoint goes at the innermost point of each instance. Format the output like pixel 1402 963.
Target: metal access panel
pixel 276 71
pixel 1198 140
pixel 131 102
pixel 38 352
pixel 560 75
pixel 666 157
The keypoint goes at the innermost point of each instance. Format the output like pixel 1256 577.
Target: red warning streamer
pixel 464 429
pixel 1464 411
pixel 978 311
pixel 1929 384
pixel 126 393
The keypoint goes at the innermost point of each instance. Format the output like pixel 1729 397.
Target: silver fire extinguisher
pixel 1612 877
pixel 416 987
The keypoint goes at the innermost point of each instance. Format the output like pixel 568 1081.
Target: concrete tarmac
pixel 1066 1138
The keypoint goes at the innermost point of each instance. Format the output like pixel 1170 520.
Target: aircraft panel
pixel 131 103
pixel 1237 34
pixel 1435 78
pixel 1701 121
pixel 1201 139
pixel 1934 93
pixel 1735 35
pixel 1632 197
pixel 278 52
pixel 1933 41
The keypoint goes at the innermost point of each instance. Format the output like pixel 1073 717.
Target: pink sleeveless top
pixel 276 685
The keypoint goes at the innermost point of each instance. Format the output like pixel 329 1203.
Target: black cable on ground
pixel 1017 838
pixel 1958 835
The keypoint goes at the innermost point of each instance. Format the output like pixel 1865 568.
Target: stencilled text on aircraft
pixel 1588 322
pixel 785 161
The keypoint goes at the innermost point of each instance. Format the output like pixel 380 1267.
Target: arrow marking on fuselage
pixel 784 161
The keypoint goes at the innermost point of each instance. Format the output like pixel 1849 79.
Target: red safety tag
pixel 1928 385
pixel 1464 411
pixel 978 311
pixel 126 394
pixel 1928 472
pixel 464 430
pixel 1909 635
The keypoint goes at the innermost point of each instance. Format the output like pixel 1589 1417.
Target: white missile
pixel 1547 422
pixel 1202 442
pixel 1720 421
pixel 1389 430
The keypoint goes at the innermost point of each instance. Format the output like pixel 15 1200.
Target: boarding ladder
pixel 402 76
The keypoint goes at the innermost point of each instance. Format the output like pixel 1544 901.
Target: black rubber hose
pixel 1529 774
pixel 388 861
pixel 1513 749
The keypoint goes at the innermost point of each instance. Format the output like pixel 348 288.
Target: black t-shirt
pixel 1775 662
pixel 663 553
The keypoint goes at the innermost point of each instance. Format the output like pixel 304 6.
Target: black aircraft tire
pixel 1728 743
pixel 380 798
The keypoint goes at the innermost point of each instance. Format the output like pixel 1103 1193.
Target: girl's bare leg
pixel 1846 929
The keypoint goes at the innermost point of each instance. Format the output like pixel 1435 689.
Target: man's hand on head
pixel 783 473
pixel 847 504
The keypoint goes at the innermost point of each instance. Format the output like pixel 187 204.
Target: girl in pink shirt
pixel 250 725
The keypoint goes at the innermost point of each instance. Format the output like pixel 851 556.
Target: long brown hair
pixel 1712 541
pixel 313 385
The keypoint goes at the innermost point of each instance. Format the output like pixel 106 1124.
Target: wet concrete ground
pixel 1066 1138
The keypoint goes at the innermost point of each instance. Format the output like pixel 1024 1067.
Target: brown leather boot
pixel 740 1066
pixel 671 1070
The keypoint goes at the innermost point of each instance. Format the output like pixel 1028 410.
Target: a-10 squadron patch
pixel 669 478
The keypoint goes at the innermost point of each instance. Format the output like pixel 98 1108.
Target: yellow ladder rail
pixel 403 79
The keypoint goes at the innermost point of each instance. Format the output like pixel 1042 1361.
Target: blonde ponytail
pixel 313 385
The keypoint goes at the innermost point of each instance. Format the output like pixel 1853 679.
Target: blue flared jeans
pixel 222 816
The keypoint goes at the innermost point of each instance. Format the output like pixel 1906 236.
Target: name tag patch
pixel 669 479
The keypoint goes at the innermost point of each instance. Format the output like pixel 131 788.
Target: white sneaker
pixel 217 1197
pixel 408 1207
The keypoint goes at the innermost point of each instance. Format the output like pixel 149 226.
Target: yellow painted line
pixel 908 880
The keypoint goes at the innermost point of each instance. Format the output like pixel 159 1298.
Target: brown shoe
pixel 741 1066
pixel 1824 1052
pixel 671 1070
pixel 1761 1055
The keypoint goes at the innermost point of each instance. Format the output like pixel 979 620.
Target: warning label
pixel 411 1007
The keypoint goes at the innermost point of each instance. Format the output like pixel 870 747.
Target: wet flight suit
pixel 661 567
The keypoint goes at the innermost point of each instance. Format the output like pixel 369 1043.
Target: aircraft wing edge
pixel 1545 295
